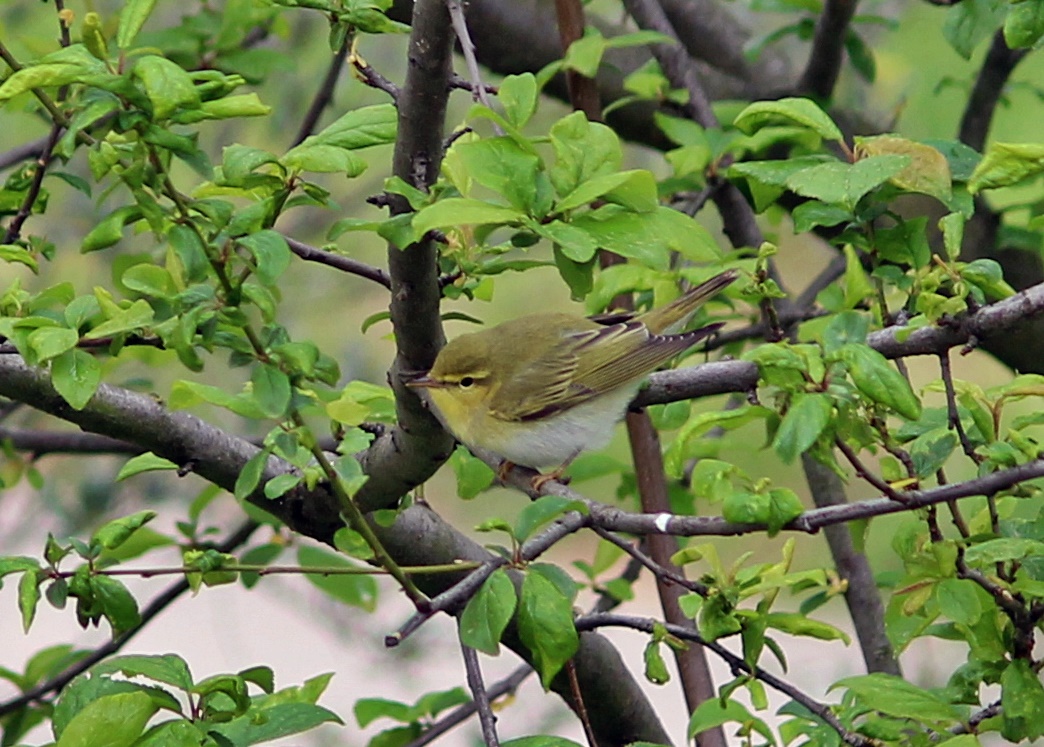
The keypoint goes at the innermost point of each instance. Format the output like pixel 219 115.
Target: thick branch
pixel 861 595
pixel 828 47
pixel 409 454
pixel 989 87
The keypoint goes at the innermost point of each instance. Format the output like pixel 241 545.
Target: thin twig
pixel 736 663
pixel 313 254
pixel 667 574
pixel 23 152
pixel 451 599
pixel 866 474
pixel 456 81
pixel 467 48
pixel 473 671
pixel 953 414
pixel 578 701
pixel 830 273
pixel 372 78
pixel 460 714
pixel 324 95
pixel 156 606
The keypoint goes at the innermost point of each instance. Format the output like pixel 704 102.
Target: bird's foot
pixel 505 467
pixel 555 475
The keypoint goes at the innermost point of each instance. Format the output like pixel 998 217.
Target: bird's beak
pixel 423 381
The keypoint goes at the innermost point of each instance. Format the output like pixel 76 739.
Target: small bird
pixel 540 389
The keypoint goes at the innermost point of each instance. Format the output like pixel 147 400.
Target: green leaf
pixel 166 84
pixel 463 211
pixel 323 159
pixel 1024 24
pixel 583 150
pixel 585 54
pixel 545 626
pixel 271 253
pixel 845 183
pixel 356 590
pixel 279 485
pixel 952 227
pixel 250 475
pixel 958 600
pixel 17 564
pixel 575 243
pixel 518 96
pixel 28 597
pixel 109 230
pixel 632 189
pixel 545 740
pixel 801 625
pixel 244 105
pixel 1005 164
pixel 473 475
pixel 541 511
pixel 488 612
pixel 170 669
pixel 271 388
pixel 110 721
pixel 806 419
pixel 270 723
pixel 146 462
pixel 788 111
pixel 906 243
pixel 987 275
pixel 1003 549
pixel 360 128
pixel 184 394
pixel 116 603
pixel 114 533
pixel 928 171
pixel 894 696
pixel 504 166
pixel 76 375
pixel 49 342
pixel 368 710
pixel 149 280
pixel 712 713
pixel 655 667
pixel 132 18
pixel 1022 701
pixel 46 74
pixel 875 378
pixel 139 314
pixel 931 449
pixel 968 23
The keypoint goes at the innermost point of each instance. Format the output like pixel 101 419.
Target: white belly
pixel 550 442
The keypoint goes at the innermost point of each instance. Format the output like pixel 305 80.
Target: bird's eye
pixel 467 382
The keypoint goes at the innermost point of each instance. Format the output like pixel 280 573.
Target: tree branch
pixel 736 663
pixel 828 47
pixel 861 595
pixel 346 264
pixel 155 607
pixel 989 87
pixel 409 453
pixel 324 95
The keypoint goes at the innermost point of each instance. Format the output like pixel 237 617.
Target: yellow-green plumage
pixel 539 389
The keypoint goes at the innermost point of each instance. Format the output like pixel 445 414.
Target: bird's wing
pixel 585 364
pixel 540 386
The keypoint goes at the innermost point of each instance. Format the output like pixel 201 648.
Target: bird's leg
pixel 539 481
pixel 502 471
